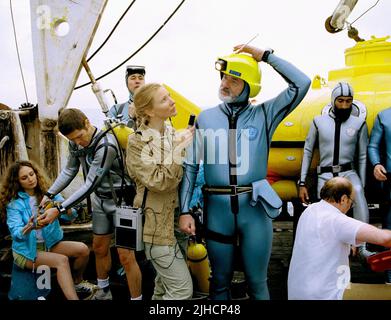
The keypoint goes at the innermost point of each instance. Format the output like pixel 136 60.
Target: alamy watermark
pixel 44 279
pixel 210 146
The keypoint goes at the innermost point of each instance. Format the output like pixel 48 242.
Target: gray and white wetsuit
pixel 100 161
pixel 340 143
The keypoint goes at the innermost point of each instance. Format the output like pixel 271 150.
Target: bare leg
pixel 101 247
pixel 64 275
pixel 132 270
pixel 77 250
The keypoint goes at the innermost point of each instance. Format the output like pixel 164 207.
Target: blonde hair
pixel 143 101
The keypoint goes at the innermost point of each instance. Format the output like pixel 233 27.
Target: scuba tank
pixel 197 259
pixel 122 132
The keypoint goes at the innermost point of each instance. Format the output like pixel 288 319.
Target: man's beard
pixel 342 114
pixel 225 98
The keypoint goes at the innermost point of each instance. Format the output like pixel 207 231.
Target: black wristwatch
pixel 301 183
pixel 61 209
pixel 184 213
pixel 266 54
pixel 49 195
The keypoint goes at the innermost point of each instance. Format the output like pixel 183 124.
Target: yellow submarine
pixel 368 70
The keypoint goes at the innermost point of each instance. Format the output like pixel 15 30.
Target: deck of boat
pixel 277 274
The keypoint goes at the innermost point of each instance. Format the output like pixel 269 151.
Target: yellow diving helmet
pixel 241 66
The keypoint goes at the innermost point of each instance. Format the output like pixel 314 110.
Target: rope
pixel 112 31
pixel 137 51
pixel 366 11
pixel 17 51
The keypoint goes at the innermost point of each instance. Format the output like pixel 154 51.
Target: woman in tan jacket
pixel 154 162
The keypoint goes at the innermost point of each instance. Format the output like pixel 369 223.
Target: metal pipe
pixel 342 12
pixel 336 22
pixel 96 88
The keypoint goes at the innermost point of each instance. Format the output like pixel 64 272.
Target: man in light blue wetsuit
pixel 134 78
pixel 233 140
pixel 379 145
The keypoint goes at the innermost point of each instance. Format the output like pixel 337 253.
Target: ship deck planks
pixel 277 272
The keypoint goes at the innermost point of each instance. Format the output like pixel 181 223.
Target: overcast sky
pixel 183 53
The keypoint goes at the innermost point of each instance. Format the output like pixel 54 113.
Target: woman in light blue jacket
pixel 21 191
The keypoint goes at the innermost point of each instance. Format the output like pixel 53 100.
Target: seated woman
pixel 154 162
pixel 21 190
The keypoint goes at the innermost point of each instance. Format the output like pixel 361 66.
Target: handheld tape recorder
pixel 128 223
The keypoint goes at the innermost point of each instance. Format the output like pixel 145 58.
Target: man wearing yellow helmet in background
pixel 233 141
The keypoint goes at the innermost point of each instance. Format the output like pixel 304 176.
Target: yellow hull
pixel 184 108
